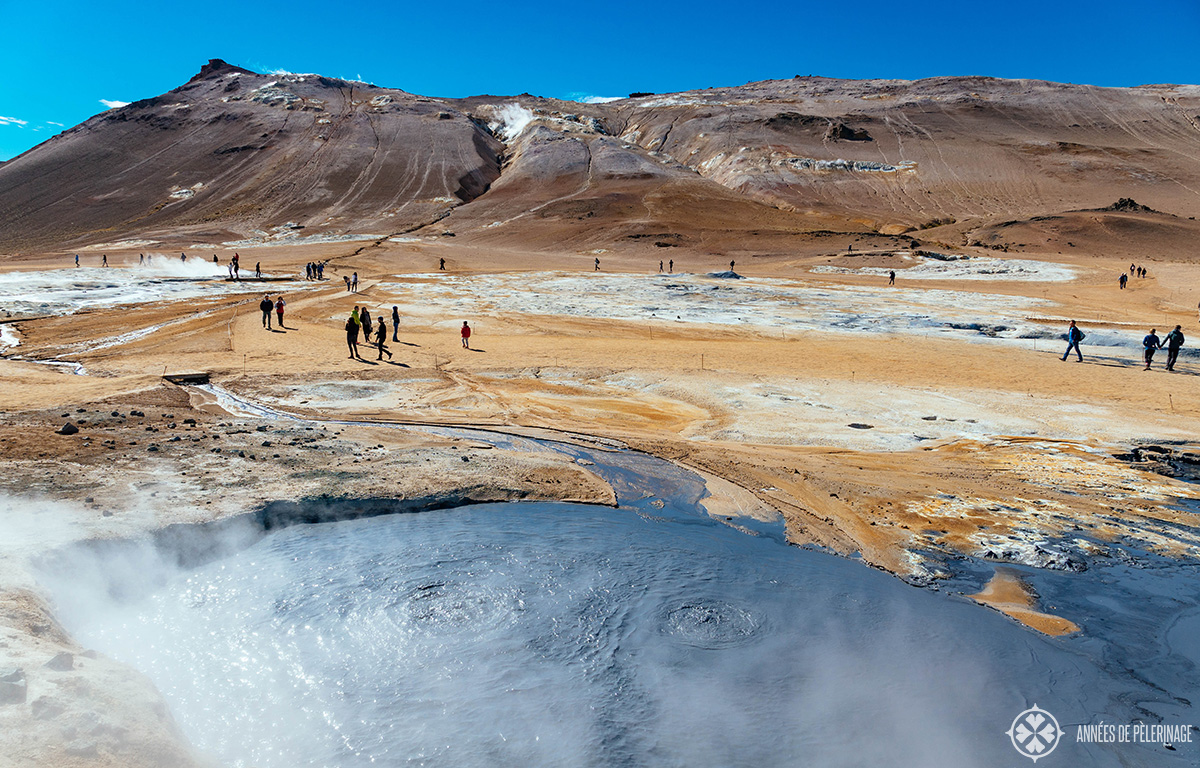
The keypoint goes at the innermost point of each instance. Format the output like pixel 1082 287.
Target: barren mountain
pixel 237 157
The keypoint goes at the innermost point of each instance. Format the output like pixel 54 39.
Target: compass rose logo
pixel 1035 733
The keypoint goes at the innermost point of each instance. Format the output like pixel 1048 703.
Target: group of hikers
pixel 315 270
pixel 1134 271
pixel 1150 344
pixel 359 324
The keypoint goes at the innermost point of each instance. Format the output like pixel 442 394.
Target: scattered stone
pixel 12 686
pixel 859 425
pixel 115 413
pixel 63 662
pixel 81 748
pixel 189 421
pixel 68 429
pixel 266 443
pixel 261 428
pixel 929 418
pixel 140 414
pixel 152 448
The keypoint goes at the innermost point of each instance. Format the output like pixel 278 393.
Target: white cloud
pixel 13 121
pixel 600 99
pixel 114 104
pixel 51 122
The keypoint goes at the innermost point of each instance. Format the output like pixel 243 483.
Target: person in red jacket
pixel 466 335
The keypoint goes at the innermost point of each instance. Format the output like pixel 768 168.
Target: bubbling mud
pixel 556 634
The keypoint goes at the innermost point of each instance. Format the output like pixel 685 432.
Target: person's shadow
pixel 276 330
pixel 475 349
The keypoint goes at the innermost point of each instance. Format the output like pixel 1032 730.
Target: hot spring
pixel 566 635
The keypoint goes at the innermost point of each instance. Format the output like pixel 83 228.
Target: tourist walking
pixel 1123 279
pixel 465 332
pixel 104 260
pixel 354 282
pixel 1074 336
pixel 891 277
pixel 442 264
pixel 1150 343
pixel 357 321
pixel 141 259
pixel 395 323
pixel 660 265
pixel 365 317
pixel 380 338
pixel 597 269
pixel 77 259
pixel 352 334
pixel 279 305
pixel 266 305
pixel 671 266
pixel 258 269
pixel 731 263
pixel 1174 342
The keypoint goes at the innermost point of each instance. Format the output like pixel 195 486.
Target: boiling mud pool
pixel 562 635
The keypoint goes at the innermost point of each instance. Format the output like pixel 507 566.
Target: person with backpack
pixel 1174 342
pixel 1074 336
pixel 1150 343
pixel 266 305
pixel 465 332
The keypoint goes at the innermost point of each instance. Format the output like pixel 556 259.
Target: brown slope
pixel 232 152
pixel 566 185
pixel 937 149
pixel 1123 232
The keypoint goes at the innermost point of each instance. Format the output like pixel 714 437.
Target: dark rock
pixel 68 429
pixel 12 686
pixel 1128 204
pixel 63 662
pixel 858 425
pixel 842 132
pixel 189 421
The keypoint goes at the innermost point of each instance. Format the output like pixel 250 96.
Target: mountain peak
pixel 218 67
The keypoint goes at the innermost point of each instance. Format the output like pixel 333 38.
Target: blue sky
pixel 59 62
